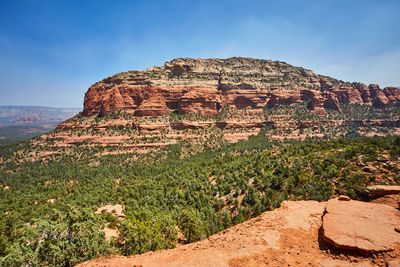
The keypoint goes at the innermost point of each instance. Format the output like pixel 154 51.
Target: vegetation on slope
pixel 47 207
pixel 123 133
pixel 12 134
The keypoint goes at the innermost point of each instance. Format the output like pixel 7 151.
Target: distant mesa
pixel 204 86
pixel 23 122
pixel 35 116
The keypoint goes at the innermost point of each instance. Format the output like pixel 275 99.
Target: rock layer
pixel 148 127
pixel 204 86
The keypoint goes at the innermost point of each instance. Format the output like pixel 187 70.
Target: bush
pixel 66 241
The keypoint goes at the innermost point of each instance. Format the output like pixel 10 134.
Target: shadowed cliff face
pixel 204 86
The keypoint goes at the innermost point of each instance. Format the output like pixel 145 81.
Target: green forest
pixel 48 220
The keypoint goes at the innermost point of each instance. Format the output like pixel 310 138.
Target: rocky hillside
pixel 201 104
pixel 171 196
pixel 204 86
pixel 339 232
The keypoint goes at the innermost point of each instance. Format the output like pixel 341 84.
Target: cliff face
pixel 204 86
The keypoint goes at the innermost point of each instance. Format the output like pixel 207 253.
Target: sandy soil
pixel 116 210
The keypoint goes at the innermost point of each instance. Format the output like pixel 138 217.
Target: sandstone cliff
pixel 241 97
pixel 204 86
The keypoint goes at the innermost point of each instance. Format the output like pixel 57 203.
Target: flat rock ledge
pixel 382 190
pixel 361 226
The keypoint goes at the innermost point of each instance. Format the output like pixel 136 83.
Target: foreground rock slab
pixel 263 241
pixel 288 236
pixel 361 226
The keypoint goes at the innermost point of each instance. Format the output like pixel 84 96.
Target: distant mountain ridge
pixel 35 115
pixel 18 123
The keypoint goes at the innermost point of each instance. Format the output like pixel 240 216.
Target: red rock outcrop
pixel 287 236
pixel 205 86
pixel 378 96
pixel 392 93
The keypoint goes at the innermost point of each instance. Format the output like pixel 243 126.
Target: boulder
pixel 344 198
pixel 361 226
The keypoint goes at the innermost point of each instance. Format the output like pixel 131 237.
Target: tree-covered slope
pixel 47 207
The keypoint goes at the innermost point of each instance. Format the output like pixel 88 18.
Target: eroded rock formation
pixel 204 86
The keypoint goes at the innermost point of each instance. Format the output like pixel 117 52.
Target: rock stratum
pixel 204 86
pixel 299 233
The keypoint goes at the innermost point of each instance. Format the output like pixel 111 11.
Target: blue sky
pixel 52 51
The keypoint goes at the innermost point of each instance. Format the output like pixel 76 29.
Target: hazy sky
pixel 52 51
